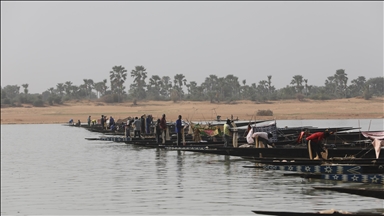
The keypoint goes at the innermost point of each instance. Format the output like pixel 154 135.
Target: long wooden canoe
pixel 358 178
pixel 285 213
pixel 304 161
pixel 362 191
pixel 329 169
pixel 295 152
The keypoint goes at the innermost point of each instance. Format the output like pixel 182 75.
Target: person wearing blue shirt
pixel 148 123
pixel 179 130
pixel 112 123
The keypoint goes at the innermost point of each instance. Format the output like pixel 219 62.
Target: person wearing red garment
pixel 316 142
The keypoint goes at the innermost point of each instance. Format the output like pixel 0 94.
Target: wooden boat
pixel 329 212
pixel 329 169
pixel 294 152
pixel 362 191
pixel 110 138
pixel 358 178
pixel 305 161
pixel 100 130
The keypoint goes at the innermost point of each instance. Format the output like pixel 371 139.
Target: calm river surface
pixel 53 170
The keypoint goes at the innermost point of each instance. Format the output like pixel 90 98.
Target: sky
pixel 50 42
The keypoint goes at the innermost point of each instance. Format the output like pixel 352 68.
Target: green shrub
pixel 320 97
pixel 367 95
pixel 111 98
pixel 57 100
pixel 174 96
pixel 300 97
pixel 38 103
pixel 6 101
pixel 264 113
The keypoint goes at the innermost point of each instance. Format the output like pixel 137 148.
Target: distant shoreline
pixel 352 108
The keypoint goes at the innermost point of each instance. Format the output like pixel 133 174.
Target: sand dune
pixel 352 108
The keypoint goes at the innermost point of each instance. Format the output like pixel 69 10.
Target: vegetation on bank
pixel 214 89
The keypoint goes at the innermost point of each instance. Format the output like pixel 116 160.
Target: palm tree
pixel 358 85
pixel 210 86
pixel 25 86
pixel 51 90
pixel 341 81
pixel 179 80
pixel 118 75
pixel 139 75
pixel 68 87
pixel 99 87
pixel 234 86
pixel 330 85
pixel 298 81
pixel 269 83
pixel 154 86
pixel 60 88
pixel 89 85
pixel 306 86
pixel 104 87
pixel 166 85
pixel 243 89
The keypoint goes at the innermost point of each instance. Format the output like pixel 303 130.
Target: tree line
pixel 214 89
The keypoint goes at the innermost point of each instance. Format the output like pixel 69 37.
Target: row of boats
pixel 350 155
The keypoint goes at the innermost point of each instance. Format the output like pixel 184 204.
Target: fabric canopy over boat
pixel 374 135
pixel 377 138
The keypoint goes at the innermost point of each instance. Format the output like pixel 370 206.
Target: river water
pixel 52 170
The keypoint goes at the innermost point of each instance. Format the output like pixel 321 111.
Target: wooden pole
pixel 182 132
pixel 167 134
pixel 234 138
pixel 310 150
pixel 163 136
pixel 257 142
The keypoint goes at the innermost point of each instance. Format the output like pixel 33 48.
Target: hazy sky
pixel 45 43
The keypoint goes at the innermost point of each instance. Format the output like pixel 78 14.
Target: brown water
pixel 53 170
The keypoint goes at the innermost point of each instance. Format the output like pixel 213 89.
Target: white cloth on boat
pixel 377 144
pixel 377 138
pixel 251 136
pixel 373 134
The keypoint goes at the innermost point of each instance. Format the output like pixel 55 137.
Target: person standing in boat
pixel 102 122
pixel 227 133
pixel 148 122
pixel 112 125
pixel 105 122
pixel 158 131
pixel 127 129
pixel 142 125
pixel 89 121
pixel 163 127
pixel 316 143
pixel 178 130
pixel 93 122
pixel 137 124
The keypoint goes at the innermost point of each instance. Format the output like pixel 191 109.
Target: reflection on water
pixel 52 169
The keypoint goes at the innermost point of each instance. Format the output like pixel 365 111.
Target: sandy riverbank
pixel 352 108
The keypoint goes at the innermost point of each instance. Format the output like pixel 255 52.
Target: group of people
pixel 143 124
pixel 161 129
pixel 313 141
pixel 263 137
pixel 140 126
pixel 103 122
